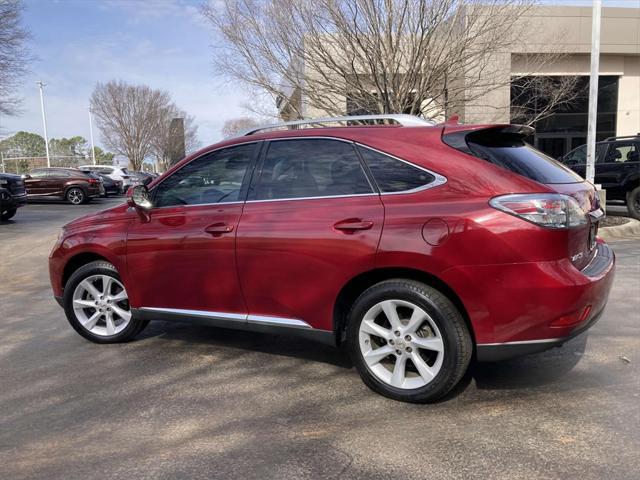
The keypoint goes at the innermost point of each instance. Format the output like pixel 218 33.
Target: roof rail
pixel 625 137
pixel 402 119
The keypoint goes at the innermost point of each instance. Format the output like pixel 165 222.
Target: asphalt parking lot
pixel 193 402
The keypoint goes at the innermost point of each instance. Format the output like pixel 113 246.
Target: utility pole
pixel 44 121
pixel 593 89
pixel 93 148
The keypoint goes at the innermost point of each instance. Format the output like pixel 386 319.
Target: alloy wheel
pixel 75 196
pixel 401 344
pixel 101 305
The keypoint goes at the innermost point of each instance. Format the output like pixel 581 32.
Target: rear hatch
pixel 505 147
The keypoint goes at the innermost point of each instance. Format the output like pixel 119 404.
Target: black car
pixel 12 195
pixel 617 169
pixel 111 186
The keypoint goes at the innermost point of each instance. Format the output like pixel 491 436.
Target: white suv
pixel 114 173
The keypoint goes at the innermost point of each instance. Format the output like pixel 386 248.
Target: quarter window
pixel 213 178
pixel 393 175
pixel 310 168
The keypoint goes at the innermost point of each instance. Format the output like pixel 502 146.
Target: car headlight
pixel 4 181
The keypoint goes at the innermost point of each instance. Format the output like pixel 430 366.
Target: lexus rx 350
pixel 416 246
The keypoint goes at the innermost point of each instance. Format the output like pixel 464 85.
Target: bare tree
pixel 424 57
pixel 165 145
pixel 14 55
pixel 235 125
pixel 129 118
pixel 534 98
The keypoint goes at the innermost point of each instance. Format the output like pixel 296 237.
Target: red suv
pixel 418 246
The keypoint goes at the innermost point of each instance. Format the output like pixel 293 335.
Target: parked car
pixel 108 186
pixel 417 246
pixel 142 178
pixel 115 173
pixel 617 169
pixel 111 186
pixel 68 184
pixel 12 195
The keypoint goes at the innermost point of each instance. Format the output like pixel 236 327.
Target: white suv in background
pixel 114 173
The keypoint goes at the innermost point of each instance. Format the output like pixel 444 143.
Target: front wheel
pixel 76 196
pixel 8 214
pixel 408 341
pixel 633 203
pixel 97 305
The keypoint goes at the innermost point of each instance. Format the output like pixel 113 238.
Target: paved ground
pixel 192 402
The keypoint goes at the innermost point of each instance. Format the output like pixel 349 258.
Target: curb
pixel 631 229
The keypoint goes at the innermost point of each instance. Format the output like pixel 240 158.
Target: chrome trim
pixel 285 322
pixel 403 119
pixel 523 342
pixel 313 198
pixel 438 179
pixel 235 317
pixel 239 317
pixel 153 209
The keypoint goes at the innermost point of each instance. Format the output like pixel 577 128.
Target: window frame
pixel 438 179
pixel 258 170
pixel 244 186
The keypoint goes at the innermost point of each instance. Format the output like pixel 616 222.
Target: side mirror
pixel 26 176
pixel 139 198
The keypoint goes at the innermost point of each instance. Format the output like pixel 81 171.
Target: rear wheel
pixel 76 196
pixel 97 305
pixel 408 341
pixel 633 203
pixel 8 214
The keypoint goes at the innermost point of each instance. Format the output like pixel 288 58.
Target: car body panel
pixel 291 259
pixel 284 259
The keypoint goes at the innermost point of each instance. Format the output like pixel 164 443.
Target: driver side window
pixel 213 178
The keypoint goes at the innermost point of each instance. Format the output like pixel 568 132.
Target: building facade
pixel 564 34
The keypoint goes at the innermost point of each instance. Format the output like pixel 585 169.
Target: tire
pixel 77 301
pixel 439 340
pixel 633 203
pixel 8 214
pixel 76 196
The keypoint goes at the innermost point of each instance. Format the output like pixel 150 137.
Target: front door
pixel 182 260
pixel 311 223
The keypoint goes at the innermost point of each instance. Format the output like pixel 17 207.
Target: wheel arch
pixel 352 289
pixel 77 261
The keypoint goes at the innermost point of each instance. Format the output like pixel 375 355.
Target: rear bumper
pixel 529 307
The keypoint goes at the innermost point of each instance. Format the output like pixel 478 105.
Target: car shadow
pixel 272 344
pixel 519 373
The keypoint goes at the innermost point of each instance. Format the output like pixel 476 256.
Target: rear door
pixel 311 223
pixel 35 185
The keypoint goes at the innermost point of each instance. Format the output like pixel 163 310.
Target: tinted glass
pixel 394 175
pixel 38 174
pixel 622 152
pixel 213 178
pixel 512 153
pixel 310 168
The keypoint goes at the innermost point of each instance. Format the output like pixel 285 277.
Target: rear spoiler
pixel 458 138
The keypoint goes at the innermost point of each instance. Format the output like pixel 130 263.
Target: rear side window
pixel 510 151
pixel 393 175
pixel 310 168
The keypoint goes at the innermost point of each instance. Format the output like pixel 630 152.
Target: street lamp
pixel 93 148
pixel 41 84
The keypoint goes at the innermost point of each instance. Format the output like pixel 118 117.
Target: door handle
pixel 219 228
pixel 353 224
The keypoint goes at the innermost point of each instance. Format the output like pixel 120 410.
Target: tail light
pixel 94 180
pixel 550 210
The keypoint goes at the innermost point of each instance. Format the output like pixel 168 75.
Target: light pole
pixel 93 148
pixel 593 90
pixel 44 121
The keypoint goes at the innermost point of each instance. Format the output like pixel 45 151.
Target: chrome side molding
pixel 233 317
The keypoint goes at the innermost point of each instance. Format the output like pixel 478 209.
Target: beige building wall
pixel 567 31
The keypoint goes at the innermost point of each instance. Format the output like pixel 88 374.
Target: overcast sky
pixel 162 43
